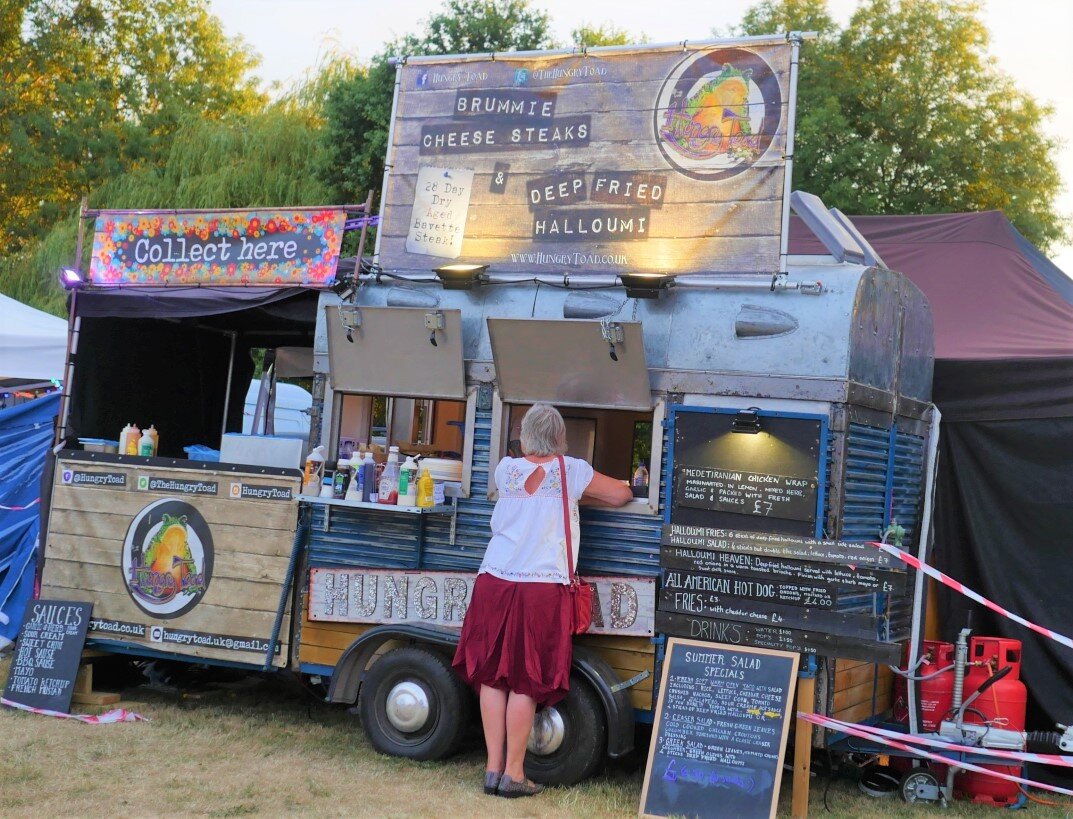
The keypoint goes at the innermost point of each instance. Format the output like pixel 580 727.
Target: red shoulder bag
pixel 580 591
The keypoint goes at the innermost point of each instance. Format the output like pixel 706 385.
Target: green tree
pixel 904 112
pixel 93 88
pixel 588 35
pixel 359 108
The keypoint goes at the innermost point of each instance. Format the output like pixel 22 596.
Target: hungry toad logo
pixel 717 112
pixel 167 558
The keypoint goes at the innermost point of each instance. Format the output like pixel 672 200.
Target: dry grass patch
pixel 270 749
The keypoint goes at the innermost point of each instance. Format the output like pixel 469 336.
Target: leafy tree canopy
pixel 92 88
pixel 903 111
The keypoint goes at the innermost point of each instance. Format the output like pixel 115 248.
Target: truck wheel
pixel 413 705
pixel 569 738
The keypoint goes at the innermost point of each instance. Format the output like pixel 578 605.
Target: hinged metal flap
pixel 392 351
pixel 571 363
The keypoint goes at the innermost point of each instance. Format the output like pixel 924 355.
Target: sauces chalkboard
pixel 720 731
pixel 47 654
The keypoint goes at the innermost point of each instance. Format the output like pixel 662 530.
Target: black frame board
pixel 734 564
pixel 777 637
pixel 47 654
pixel 770 544
pixel 720 730
pixel 769 477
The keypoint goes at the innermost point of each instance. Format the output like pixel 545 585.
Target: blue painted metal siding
pixel 611 542
pixel 864 510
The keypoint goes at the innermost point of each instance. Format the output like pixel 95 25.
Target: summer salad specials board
pixel 653 159
pixel 720 731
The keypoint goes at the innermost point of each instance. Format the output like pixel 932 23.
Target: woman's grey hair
pixel 543 431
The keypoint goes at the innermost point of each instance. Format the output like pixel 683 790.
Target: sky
pixel 1029 39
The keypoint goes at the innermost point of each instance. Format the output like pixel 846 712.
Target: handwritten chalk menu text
pixel 660 159
pixel 47 653
pixel 748 493
pixel 438 221
pixel 720 731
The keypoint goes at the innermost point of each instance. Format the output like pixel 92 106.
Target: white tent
pixel 33 344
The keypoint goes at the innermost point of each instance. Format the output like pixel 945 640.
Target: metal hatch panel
pixel 568 363
pixel 391 353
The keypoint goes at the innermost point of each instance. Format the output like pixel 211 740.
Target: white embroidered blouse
pixel 528 543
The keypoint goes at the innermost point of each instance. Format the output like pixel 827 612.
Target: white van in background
pixel 292 409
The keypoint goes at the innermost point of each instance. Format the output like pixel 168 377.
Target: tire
pixel 413 705
pixel 581 752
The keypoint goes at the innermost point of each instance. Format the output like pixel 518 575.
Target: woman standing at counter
pixel 515 647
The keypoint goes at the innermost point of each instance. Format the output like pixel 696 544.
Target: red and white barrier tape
pixel 115 715
pixel 1017 756
pixel 855 730
pixel 30 505
pixel 931 571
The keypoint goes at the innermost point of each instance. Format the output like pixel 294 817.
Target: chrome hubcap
pixel 407 707
pixel 548 732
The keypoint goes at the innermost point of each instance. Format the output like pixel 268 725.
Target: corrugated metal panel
pixel 864 509
pixel 611 542
pixel 907 488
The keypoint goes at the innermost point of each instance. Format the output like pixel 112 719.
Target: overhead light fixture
pixel 70 279
pixel 747 421
pixel 461 276
pixel 646 285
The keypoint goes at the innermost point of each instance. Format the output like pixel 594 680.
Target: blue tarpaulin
pixel 25 436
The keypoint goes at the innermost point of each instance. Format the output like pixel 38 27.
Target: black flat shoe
pixel 491 782
pixel 509 789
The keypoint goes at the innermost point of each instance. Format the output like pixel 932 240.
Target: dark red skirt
pixel 516 637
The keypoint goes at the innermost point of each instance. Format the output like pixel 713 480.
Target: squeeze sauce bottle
pixel 314 471
pixel 133 438
pixel 389 479
pixel 145 444
pixel 408 483
pixel 426 488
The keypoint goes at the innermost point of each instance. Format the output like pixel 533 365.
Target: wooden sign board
pixel 649 159
pixel 176 559
pixel 47 654
pixel 720 731
pixel 761 635
pixel 622 606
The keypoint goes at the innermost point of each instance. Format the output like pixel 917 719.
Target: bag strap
pixel 567 528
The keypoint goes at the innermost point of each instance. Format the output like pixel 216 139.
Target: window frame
pixel 649 506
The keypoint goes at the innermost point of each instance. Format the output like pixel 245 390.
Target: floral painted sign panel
pixel 263 247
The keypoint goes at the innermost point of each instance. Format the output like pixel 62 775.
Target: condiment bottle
pixel 145 444
pixel 133 440
pixel 356 489
pixel 156 438
pixel 129 431
pixel 314 471
pixel 326 488
pixel 408 483
pixel 388 490
pixel 426 488
pixel 368 475
pixel 342 475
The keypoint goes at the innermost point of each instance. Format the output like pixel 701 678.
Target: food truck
pixel 605 231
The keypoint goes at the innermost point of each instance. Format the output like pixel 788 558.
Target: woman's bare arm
pixel 607 491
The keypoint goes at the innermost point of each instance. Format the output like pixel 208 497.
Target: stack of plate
pixel 442 469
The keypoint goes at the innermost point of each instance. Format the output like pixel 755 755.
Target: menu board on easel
pixel 720 731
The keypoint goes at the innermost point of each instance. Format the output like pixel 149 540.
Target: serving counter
pixel 178 557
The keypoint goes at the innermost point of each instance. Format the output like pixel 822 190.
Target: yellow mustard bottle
pixel 425 490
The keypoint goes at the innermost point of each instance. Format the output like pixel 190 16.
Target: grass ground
pixel 264 746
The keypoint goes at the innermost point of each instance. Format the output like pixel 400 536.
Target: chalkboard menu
pixel 765 482
pixel 47 654
pixel 720 731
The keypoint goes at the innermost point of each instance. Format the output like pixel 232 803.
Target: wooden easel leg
pixel 806 703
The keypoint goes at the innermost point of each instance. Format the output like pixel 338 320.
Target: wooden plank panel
pixel 228 563
pixel 218 510
pixel 319 655
pixel 248 595
pixel 854 676
pixel 641 700
pixel 328 638
pixel 862 711
pixel 642 645
pixel 846 697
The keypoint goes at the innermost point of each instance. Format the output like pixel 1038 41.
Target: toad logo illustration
pixel 167 558
pixel 717 112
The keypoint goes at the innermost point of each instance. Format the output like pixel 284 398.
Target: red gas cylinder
pixel 935 694
pixel 1002 706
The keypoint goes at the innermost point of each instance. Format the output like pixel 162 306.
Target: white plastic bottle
pixel 408 483
pixel 356 487
pixel 314 471
pixel 145 444
pixel 388 490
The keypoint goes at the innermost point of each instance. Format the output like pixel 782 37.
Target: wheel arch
pixel 349 673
